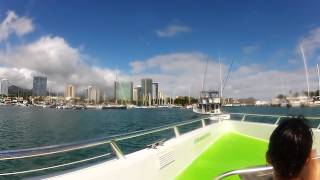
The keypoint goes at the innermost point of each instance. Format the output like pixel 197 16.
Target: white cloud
pixel 53 57
pixel 250 49
pixel 173 30
pixel 56 59
pixel 13 24
pixel 311 42
pixel 177 71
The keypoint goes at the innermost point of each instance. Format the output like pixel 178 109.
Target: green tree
pixel 281 96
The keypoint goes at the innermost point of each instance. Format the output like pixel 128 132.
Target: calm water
pixel 26 127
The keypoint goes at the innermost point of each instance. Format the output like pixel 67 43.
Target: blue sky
pixel 117 32
pixel 113 34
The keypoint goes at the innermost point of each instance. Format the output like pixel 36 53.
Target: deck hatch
pixel 166 158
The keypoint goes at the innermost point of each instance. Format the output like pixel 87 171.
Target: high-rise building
pixel 146 91
pixel 123 91
pixel 70 92
pixel 4 86
pixel 161 98
pixel 155 93
pixel 93 95
pixel 137 95
pixel 39 86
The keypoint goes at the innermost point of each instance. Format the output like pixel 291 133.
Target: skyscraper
pixel 70 92
pixel 93 95
pixel 155 93
pixel 39 86
pixel 137 95
pixel 123 91
pixel 4 86
pixel 146 91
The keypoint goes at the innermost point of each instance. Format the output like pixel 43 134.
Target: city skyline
pixel 170 48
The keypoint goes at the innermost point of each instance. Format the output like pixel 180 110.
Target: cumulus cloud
pixel 173 30
pixel 63 64
pixel 13 24
pixel 177 72
pixel 56 59
pixel 311 42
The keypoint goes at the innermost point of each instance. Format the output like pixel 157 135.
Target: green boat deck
pixel 231 151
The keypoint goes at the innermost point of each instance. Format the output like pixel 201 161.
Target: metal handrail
pixel 244 171
pixel 55 149
pixel 244 115
pixel 271 115
pixel 249 170
pixel 47 150
pixel 56 166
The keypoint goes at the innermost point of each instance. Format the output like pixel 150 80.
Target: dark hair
pixel 289 147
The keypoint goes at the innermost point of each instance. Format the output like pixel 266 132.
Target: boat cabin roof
pixel 209 94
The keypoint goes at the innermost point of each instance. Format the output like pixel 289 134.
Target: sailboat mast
pixel 220 77
pixel 306 69
pixel 189 95
pixel 116 85
pixel 205 73
pixel 318 79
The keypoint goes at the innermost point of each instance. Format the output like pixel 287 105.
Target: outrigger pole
pixel 306 69
pixel 220 77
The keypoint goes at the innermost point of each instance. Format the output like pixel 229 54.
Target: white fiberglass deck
pixel 177 157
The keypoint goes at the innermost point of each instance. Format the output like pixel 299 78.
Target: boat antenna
pixel 189 94
pixel 205 73
pixel 318 79
pixel 305 68
pixel 116 84
pixel 221 93
pixel 228 75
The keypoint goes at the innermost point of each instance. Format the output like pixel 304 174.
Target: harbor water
pixel 29 127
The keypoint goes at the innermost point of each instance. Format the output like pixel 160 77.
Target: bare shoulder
pixel 313 170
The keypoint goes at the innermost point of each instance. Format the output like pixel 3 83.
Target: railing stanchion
pixel 117 150
pixel 243 117
pixel 176 131
pixel 278 119
pixel 318 126
pixel 203 123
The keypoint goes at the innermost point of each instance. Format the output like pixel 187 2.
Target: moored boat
pixel 113 107
pixel 210 104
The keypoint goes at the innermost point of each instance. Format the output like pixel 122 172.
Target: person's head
pixel 289 147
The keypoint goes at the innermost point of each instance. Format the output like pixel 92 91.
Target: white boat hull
pixel 148 164
pixel 220 117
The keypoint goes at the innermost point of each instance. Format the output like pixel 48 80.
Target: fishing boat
pixel 316 99
pixel 210 104
pixel 215 150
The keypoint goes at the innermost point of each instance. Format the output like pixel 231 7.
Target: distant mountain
pixel 15 90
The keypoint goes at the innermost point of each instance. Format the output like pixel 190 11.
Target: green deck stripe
pixel 231 151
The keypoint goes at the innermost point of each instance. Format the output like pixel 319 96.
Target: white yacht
pixel 210 104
